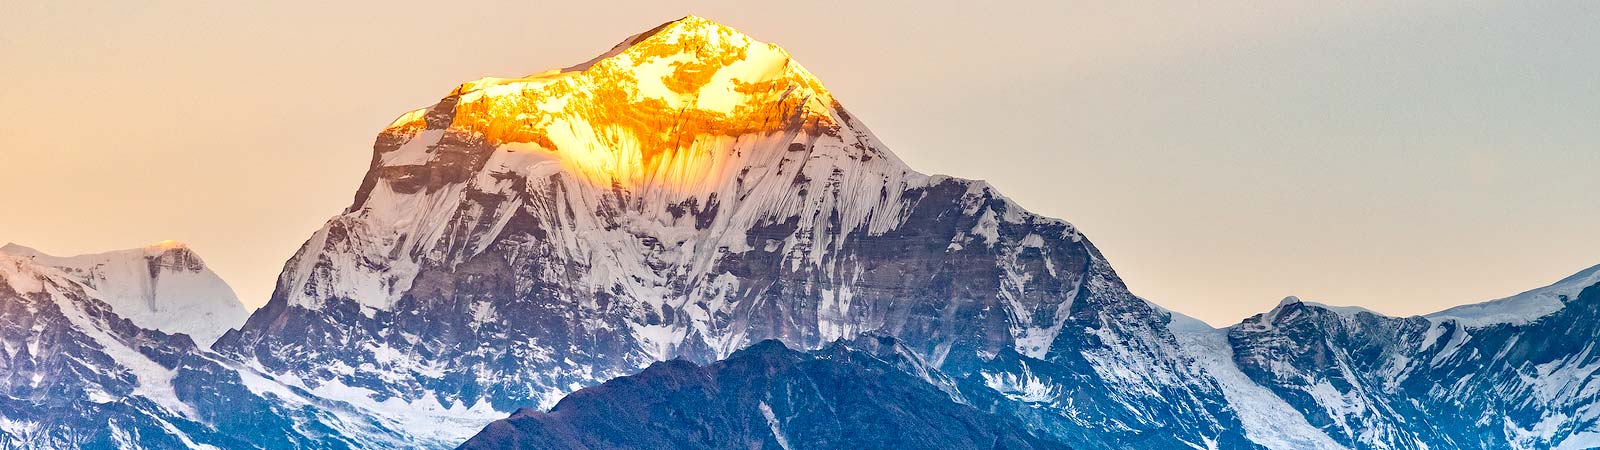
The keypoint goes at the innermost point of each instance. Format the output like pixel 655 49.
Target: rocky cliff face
pixel 688 193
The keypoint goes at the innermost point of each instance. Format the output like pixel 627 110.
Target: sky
pixel 1401 156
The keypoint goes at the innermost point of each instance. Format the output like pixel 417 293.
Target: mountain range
pixel 688 242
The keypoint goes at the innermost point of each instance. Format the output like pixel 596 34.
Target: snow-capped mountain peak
pixel 689 127
pixel 163 286
pixel 686 194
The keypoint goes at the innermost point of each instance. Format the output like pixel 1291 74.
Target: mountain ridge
pixel 764 395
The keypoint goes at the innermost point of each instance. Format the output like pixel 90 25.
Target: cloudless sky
pixel 1403 156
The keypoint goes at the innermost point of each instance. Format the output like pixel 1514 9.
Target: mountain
pixel 686 194
pixel 764 396
pixel 76 374
pixel 1302 376
pixel 1440 381
pixel 690 230
pixel 694 191
pixel 164 287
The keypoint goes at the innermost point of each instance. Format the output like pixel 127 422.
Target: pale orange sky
pixel 1403 156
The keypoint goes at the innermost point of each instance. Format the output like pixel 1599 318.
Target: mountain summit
pixel 662 111
pixel 686 194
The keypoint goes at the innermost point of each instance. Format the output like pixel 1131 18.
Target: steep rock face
pixel 686 194
pixel 767 397
pixel 165 287
pixel 1372 381
pixel 74 374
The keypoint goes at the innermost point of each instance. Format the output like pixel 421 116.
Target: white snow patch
pixel 424 417
pixel 772 423
pixel 1023 387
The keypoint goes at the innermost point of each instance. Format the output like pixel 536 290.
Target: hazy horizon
pixel 1404 158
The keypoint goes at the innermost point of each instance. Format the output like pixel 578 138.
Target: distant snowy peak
pixel 164 286
pixel 1525 307
pixel 76 374
pixel 1518 309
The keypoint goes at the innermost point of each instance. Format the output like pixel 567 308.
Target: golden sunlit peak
pixel 688 25
pixel 167 245
pixel 660 109
pixel 692 24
